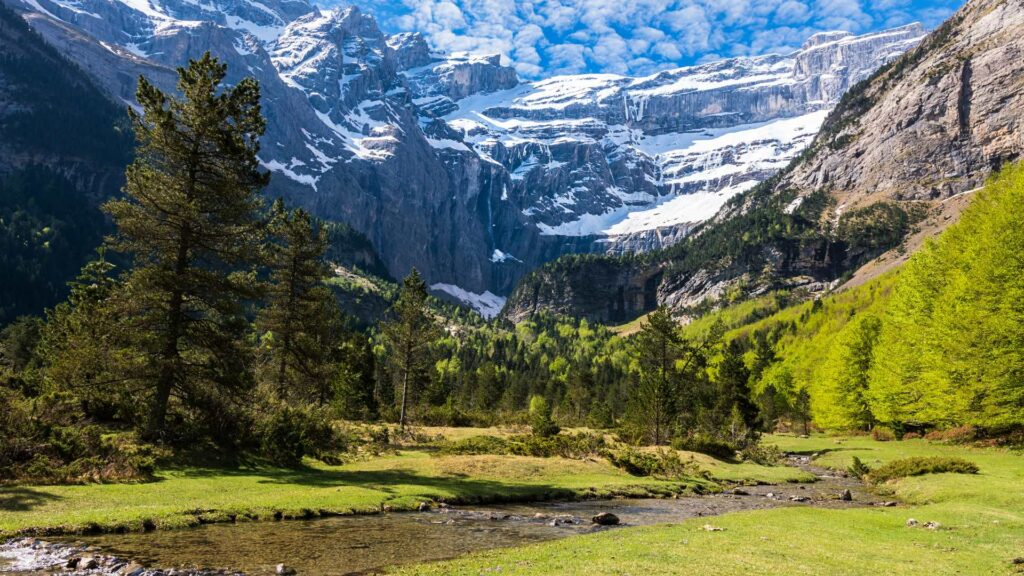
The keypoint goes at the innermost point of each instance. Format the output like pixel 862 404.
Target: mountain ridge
pixel 378 131
pixel 825 215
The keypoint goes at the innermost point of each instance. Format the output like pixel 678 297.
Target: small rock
pixel 770 495
pixel 284 570
pixel 799 499
pixel 740 492
pixel 73 563
pixel 1018 561
pixel 132 569
pixel 911 523
pixel 887 504
pixel 847 496
pixel 424 507
pixel 605 519
pixel 710 528
pixel 89 564
pixel 932 525
pixel 539 516
pixel 385 508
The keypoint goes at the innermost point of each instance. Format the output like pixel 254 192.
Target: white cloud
pixel 540 37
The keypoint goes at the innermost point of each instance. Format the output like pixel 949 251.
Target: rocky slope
pixel 932 125
pixel 448 162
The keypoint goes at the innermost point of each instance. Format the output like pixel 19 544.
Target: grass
pixel 981 517
pixel 189 496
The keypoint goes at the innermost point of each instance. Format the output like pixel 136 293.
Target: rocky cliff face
pixel 448 162
pixel 933 124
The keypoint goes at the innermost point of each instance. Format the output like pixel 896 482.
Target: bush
pixel 858 468
pixel 573 446
pixel 957 435
pixel 761 454
pixel 475 445
pixel 661 463
pixel 882 434
pixel 918 466
pixel 287 434
pixel 705 444
pixel 911 436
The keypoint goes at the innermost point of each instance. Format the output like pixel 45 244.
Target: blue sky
pixel 545 37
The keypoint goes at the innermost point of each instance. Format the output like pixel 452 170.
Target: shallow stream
pixel 344 545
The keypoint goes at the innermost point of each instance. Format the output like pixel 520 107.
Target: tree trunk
pixel 405 395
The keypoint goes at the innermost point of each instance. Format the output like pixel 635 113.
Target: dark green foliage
pixel 49 439
pixel 475 445
pixel 190 221
pixel 869 231
pixel 409 338
pixel 660 463
pixel 917 466
pixel 858 468
pixel 50 185
pixel 287 434
pixel 705 443
pixel 575 446
pixel 301 323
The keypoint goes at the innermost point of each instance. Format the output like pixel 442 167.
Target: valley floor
pixel 981 530
pixel 981 516
pixel 399 481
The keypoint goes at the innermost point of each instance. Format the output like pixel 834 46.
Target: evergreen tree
pixel 653 404
pixel 408 337
pixel 84 348
pixel 190 222
pixel 733 390
pixel 301 319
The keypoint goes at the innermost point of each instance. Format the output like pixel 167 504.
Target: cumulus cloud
pixel 541 37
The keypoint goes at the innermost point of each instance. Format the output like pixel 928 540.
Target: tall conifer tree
pixel 408 336
pixel 190 222
pixel 302 315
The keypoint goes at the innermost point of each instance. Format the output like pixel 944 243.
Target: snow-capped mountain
pixel 449 163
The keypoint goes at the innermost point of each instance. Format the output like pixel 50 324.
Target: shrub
pixel 705 444
pixel 882 434
pixel 574 446
pixel 858 468
pixel 761 454
pixel 660 463
pixel 475 445
pixel 911 436
pixel 956 435
pixel 918 466
pixel 287 434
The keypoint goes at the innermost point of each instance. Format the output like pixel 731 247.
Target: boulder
pixel 285 570
pixel 846 496
pixel 605 519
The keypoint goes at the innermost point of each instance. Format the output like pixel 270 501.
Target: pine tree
pixel 733 395
pixel 658 347
pixel 408 337
pixel 301 320
pixel 190 222
pixel 83 344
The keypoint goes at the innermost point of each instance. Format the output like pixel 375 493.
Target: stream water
pixel 365 544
